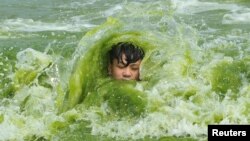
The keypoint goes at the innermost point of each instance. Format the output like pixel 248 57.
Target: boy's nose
pixel 126 72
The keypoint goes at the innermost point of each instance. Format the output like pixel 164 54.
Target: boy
pixel 124 61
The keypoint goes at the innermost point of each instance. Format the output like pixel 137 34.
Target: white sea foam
pixel 78 4
pixel 195 6
pixel 112 11
pixel 30 25
pixel 237 17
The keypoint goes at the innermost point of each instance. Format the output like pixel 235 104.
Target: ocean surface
pixel 53 69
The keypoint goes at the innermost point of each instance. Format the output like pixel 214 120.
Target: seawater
pixel 54 83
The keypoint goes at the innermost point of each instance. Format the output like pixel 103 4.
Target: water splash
pixel 189 79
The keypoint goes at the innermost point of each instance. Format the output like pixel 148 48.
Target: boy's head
pixel 124 61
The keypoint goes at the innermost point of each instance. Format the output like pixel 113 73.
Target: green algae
pixel 121 97
pixel 92 57
pixel 1 118
pixel 227 75
pixel 124 101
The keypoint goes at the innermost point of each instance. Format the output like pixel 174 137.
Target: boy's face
pixel 121 72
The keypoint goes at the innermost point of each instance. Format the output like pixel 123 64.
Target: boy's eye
pixel 120 66
pixel 135 68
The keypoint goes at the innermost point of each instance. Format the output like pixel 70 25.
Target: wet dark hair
pixel 132 52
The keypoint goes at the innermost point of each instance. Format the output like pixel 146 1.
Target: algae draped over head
pixel 91 57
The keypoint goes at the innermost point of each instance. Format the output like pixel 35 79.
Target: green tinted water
pixel 54 84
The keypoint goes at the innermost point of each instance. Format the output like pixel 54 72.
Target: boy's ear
pixel 109 69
